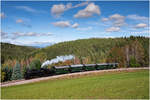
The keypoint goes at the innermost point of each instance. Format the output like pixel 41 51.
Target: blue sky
pixel 42 22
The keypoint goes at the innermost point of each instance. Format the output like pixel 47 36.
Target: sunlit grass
pixel 127 85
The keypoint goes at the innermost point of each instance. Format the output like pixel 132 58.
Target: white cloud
pixel 22 22
pixel 29 9
pixel 105 19
pixel 31 43
pixel 25 34
pixel 140 32
pixel 113 29
pixel 40 42
pixel 141 25
pixel 118 20
pixel 116 17
pixel 69 6
pixel 4 35
pixel 82 14
pixel 75 25
pixel 84 28
pixel 26 8
pixel 58 9
pixel 29 34
pixel 137 17
pixel 119 23
pixel 88 11
pixel 81 4
pixel 2 15
pixel 62 24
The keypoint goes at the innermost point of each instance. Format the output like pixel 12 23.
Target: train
pixel 57 70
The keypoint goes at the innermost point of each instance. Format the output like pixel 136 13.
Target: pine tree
pixel 17 74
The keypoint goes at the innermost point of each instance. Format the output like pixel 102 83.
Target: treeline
pixel 127 51
pixel 133 53
pixel 11 52
pixel 94 50
pixel 17 71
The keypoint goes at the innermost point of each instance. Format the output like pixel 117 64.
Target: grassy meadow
pixel 126 85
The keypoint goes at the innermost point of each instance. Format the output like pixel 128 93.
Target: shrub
pixel 17 74
pixel 8 72
pixel 2 76
pixel 35 64
pixel 25 72
pixel 133 62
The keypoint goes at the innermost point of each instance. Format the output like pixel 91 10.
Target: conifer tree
pixel 17 74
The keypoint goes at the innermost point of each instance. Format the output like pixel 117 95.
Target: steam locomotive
pixel 56 70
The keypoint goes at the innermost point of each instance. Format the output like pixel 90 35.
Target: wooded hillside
pixel 11 51
pixel 99 50
pixel 132 51
pixel 128 52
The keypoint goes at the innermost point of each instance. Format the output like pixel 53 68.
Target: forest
pixel 127 51
pixel 11 51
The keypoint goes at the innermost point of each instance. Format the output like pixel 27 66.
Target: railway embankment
pixel 19 82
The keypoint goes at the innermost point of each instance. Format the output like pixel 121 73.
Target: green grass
pixel 126 85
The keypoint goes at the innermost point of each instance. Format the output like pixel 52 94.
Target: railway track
pixel 19 82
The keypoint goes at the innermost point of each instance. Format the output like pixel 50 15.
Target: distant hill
pixel 94 49
pixel 11 51
pixel 40 45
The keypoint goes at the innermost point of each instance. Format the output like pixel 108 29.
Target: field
pixel 125 84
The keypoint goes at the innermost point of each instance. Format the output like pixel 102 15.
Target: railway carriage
pixel 106 66
pixel 101 66
pixel 76 68
pixel 89 67
pixel 114 65
pixel 61 69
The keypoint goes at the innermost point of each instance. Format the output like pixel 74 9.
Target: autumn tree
pixel 117 55
pixel 137 52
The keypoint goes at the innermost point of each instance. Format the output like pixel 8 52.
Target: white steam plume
pixel 58 59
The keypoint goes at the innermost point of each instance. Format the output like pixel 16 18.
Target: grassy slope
pixel 108 85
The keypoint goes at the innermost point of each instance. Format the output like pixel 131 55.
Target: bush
pixel 25 72
pixel 133 62
pixel 3 76
pixel 17 74
pixel 35 64
pixel 8 72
